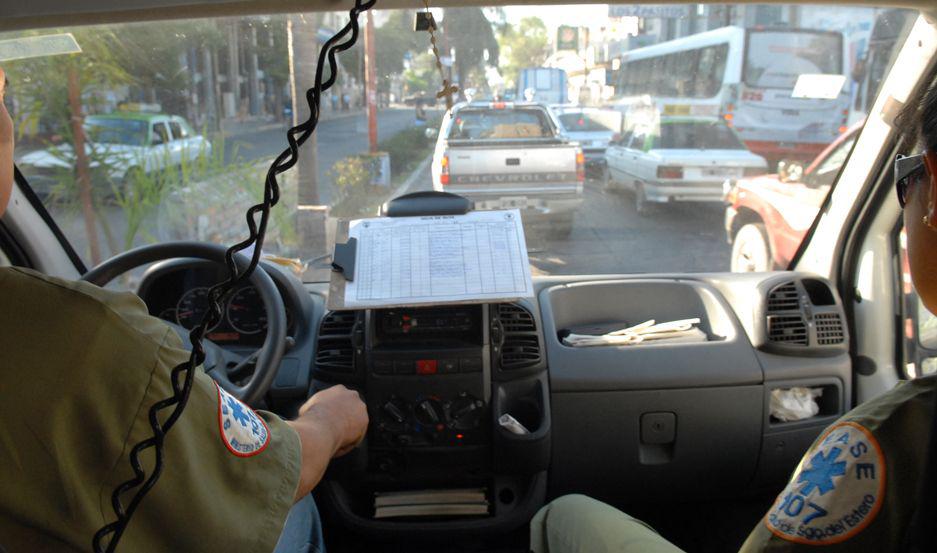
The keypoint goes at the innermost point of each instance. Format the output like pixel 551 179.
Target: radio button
pixel 449 366
pixel 383 367
pixel 404 367
pixel 471 365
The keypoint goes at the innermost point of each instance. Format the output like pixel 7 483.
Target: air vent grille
pixel 829 329
pixel 521 346
pixel 515 318
pixel 787 329
pixel 335 350
pixel 784 298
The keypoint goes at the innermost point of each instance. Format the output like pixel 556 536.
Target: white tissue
pixel 794 404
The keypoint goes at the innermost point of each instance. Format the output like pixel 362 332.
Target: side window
pixel 178 132
pixel 826 171
pixel 637 140
pixel 918 325
pixel 160 134
pixel 625 138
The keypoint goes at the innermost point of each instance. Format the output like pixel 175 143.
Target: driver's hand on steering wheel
pixel 341 410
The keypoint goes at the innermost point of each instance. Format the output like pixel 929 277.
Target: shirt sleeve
pixel 229 473
pixel 855 488
pixel 82 368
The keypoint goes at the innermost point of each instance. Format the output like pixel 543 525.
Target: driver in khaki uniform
pixel 81 367
pixel 863 484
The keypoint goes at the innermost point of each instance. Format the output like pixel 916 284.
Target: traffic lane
pixel 609 236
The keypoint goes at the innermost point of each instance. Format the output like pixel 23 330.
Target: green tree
pixel 525 45
pixel 470 34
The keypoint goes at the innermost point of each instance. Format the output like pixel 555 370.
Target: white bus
pixel 747 77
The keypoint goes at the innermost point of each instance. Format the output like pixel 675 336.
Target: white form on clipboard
pixel 477 257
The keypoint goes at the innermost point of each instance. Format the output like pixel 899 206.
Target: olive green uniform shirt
pixel 857 486
pixel 80 368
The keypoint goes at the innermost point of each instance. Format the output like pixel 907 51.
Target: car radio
pixel 428 381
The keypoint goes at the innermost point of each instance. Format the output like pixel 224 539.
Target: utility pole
pixel 253 82
pixel 370 81
pixel 234 67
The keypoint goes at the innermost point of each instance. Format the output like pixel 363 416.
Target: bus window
pixel 775 59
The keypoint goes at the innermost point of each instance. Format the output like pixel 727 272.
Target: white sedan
pixel 682 159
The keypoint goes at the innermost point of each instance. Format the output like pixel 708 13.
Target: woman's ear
pixel 929 180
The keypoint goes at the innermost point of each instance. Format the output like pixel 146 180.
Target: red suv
pixel 767 216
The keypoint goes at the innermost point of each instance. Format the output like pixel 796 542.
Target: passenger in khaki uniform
pixel 863 484
pixel 81 367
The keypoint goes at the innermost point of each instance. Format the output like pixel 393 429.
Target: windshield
pixel 775 59
pixel 206 104
pixel 477 124
pixel 116 131
pixel 710 136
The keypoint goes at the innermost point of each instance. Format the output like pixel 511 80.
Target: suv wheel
pixel 751 251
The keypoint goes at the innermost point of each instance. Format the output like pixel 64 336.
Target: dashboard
pixel 178 293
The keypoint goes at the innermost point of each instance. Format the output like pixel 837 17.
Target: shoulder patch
pixel 243 432
pixel 836 491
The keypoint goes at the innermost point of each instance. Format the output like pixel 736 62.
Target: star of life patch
pixel 836 491
pixel 243 432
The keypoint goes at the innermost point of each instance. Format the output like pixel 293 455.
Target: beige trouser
pixel 579 524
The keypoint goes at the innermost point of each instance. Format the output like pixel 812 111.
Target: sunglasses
pixel 907 168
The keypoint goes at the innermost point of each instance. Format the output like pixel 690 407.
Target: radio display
pixel 456 325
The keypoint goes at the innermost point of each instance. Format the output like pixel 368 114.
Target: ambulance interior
pixel 683 434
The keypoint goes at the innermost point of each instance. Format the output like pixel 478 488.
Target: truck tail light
pixel 444 169
pixel 753 171
pixel 580 166
pixel 665 172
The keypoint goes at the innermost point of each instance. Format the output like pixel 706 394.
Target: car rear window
pixel 588 122
pixel 690 136
pixel 474 124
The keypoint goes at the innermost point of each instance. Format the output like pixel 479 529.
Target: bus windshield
pixel 775 59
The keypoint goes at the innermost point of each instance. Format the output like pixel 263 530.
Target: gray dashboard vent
pixel 784 298
pixel 829 329
pixel 786 323
pixel 521 344
pixel 787 329
pixel 335 349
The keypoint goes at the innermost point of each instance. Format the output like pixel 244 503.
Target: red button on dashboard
pixel 426 366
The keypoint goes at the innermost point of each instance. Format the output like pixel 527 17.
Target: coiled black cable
pixel 183 374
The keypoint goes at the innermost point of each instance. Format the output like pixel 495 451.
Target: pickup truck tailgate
pixel 498 168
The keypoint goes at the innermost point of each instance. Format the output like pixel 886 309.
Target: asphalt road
pixel 609 236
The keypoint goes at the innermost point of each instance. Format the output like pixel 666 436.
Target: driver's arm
pixel 6 149
pixel 81 368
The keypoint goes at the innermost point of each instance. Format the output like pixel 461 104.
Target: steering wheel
pixel 219 362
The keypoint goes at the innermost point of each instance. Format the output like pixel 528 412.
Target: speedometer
pixel 192 307
pixel 246 313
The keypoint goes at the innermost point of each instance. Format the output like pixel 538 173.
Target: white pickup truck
pixel 511 155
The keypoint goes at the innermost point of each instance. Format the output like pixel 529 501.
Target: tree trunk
pixel 82 167
pixel 234 69
pixel 208 91
pixel 253 83
pixel 303 49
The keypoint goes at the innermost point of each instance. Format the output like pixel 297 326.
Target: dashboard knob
pixel 429 412
pixel 393 415
pixel 466 412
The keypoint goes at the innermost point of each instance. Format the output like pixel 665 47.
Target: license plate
pixel 721 172
pixel 514 203
pixel 790 112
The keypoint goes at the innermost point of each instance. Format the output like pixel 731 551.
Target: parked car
pixel 120 143
pixel 510 155
pixel 767 216
pixel 593 128
pixel 679 159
